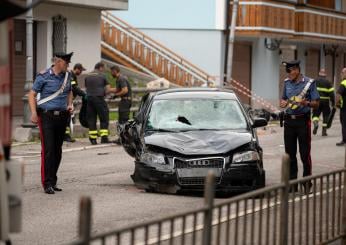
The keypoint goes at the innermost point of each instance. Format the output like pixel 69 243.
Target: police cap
pixel 291 64
pixel 64 56
pixel 79 66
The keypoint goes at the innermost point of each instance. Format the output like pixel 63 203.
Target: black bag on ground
pixel 83 118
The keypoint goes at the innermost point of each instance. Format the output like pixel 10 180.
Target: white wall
pixel 201 48
pixel 83 33
pixel 265 72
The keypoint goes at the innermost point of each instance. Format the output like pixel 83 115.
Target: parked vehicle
pixel 179 135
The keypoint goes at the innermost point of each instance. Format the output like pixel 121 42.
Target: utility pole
pixel 29 67
pixel 229 40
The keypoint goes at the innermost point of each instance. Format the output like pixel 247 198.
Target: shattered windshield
pixel 195 114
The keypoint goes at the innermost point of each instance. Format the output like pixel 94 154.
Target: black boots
pixel 68 138
pixel 314 131
pixel 93 141
pixel 324 131
pixel 105 140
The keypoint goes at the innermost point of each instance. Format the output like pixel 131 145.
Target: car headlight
pixel 246 156
pixel 152 158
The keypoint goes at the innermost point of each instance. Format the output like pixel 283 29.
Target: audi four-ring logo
pixel 199 162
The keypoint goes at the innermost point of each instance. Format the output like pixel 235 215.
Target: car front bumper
pixel 238 178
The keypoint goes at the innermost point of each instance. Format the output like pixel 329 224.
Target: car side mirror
pixel 259 122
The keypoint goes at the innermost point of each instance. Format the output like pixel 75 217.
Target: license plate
pixel 198 172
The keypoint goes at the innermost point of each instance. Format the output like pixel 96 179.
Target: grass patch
pixel 113 116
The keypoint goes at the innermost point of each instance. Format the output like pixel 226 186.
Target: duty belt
pixel 297 116
pixel 52 112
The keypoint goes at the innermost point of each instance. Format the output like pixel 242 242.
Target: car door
pixel 130 132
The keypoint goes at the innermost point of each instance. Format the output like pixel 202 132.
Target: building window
pixel 59 38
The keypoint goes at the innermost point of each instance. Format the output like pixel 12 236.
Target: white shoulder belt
pixel 59 91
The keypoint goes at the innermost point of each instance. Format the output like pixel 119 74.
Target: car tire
pixel 261 180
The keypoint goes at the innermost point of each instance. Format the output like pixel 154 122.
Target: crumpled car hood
pixel 199 142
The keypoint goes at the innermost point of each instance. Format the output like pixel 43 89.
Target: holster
pixel 281 118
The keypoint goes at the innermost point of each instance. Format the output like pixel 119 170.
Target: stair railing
pixel 150 56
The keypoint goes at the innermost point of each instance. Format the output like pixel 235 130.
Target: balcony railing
pixel 290 19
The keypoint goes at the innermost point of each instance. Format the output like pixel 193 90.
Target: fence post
pixel 285 173
pixel 343 227
pixel 209 190
pixel 85 220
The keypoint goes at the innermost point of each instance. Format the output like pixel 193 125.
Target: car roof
pixel 205 93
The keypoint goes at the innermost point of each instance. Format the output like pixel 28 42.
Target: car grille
pixel 199 163
pixel 196 180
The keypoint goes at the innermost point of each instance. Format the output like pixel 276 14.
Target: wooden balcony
pixel 320 23
pixel 258 17
pixel 290 20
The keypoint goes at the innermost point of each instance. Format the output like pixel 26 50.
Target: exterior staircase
pixel 128 46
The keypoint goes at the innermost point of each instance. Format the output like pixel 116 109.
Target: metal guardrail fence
pixel 292 212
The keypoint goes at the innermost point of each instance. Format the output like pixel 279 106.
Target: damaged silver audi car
pixel 179 135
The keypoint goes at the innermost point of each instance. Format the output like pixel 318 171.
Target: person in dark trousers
pixel 76 91
pixel 124 91
pixel 298 97
pixel 96 88
pixel 341 103
pixel 51 113
pixel 326 91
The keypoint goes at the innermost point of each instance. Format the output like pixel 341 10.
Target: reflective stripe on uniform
pixel 327 90
pixel 324 97
pixel 324 125
pixel 93 134
pixel 73 82
pixel 67 131
pixel 315 119
pixel 103 132
pixel 343 83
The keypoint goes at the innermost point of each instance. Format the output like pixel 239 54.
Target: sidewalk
pixel 33 149
pixel 78 130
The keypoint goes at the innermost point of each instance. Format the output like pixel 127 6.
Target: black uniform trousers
pixel 343 123
pixel 124 110
pixel 97 106
pixel 323 108
pixel 298 129
pixel 52 127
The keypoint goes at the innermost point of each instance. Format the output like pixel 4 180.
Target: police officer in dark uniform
pixel 124 91
pixel 76 91
pixel 297 118
pixel 326 91
pixel 341 103
pixel 51 112
pixel 97 87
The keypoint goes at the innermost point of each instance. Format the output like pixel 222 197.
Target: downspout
pixel 229 40
pixel 29 67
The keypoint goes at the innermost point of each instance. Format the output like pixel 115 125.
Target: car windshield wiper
pixel 202 129
pixel 161 130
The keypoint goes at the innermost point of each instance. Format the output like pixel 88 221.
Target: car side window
pixel 142 106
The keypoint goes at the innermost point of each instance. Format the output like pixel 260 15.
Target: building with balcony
pixel 267 33
pixel 59 25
